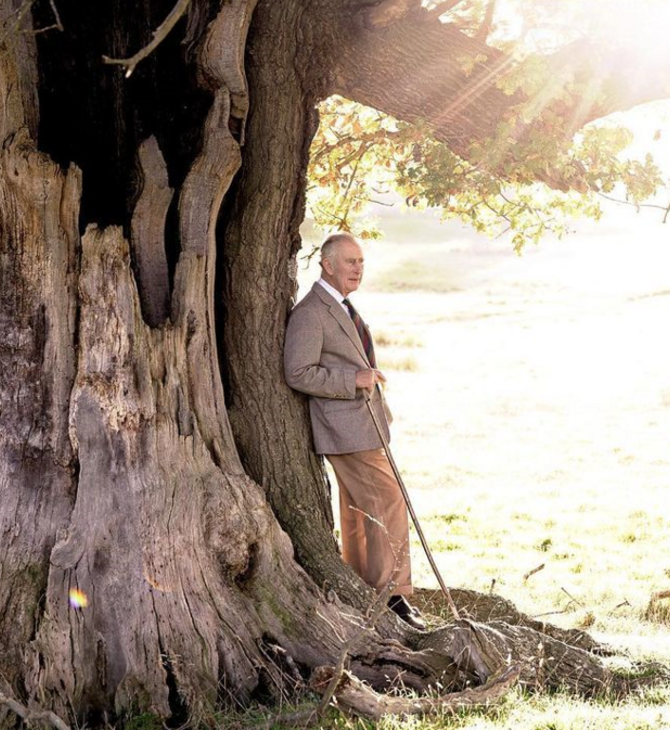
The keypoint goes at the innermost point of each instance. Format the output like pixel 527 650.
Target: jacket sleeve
pixel 302 360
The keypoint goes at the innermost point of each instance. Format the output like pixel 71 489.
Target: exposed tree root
pixel 355 696
pixel 483 607
pixel 32 715
pixel 478 660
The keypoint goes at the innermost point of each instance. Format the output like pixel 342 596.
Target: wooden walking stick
pixel 410 508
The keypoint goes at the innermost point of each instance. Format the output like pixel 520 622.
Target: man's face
pixel 345 270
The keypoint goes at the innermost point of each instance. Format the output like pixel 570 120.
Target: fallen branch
pixel 532 572
pixel 565 609
pixel 623 603
pixel 572 598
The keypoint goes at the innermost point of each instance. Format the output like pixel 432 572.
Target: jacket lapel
pixel 343 319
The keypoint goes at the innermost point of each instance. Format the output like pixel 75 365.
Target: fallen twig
pixel 532 572
pixel 620 605
pixel 572 598
pixel 565 609
pixel 553 613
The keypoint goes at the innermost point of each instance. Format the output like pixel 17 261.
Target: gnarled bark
pixel 258 281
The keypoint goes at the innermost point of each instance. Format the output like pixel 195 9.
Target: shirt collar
pixel 337 296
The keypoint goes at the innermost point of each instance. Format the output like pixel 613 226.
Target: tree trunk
pixel 130 471
pixel 258 282
pixel 120 477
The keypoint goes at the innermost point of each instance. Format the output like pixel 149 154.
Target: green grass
pixel 648 710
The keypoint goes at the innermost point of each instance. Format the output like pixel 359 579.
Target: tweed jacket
pixel 321 356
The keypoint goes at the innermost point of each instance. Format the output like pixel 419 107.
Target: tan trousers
pixel 373 515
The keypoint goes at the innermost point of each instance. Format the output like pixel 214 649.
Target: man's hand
pixel 367 379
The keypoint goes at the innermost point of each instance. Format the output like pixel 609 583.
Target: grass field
pixel 532 424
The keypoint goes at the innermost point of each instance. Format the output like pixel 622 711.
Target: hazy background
pixel 532 404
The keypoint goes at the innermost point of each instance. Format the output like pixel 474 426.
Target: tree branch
pixel 487 24
pixel 160 34
pixel 432 74
pixel 664 208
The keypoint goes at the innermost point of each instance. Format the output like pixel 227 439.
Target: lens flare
pixel 78 599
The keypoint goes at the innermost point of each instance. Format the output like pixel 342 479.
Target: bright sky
pixel 547 25
pixel 550 23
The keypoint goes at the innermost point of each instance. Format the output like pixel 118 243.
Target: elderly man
pixel 329 355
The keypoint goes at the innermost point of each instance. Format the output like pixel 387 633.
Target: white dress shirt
pixel 337 296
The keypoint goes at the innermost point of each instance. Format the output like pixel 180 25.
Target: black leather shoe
pixel 409 614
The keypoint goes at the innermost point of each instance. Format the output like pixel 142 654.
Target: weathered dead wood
pixel 372 615
pixel 355 696
pixel 185 570
pixel 30 716
pixel 222 57
pixel 38 272
pixel 147 234
pixel 533 571
pixel 199 202
pixel 18 75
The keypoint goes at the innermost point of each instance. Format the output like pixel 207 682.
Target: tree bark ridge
pixel 148 233
pixel 38 264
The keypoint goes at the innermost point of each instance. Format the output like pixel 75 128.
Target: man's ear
pixel 327 266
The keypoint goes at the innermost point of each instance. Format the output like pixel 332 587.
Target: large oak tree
pixel 152 456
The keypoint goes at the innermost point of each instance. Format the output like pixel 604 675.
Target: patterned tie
pixel 363 333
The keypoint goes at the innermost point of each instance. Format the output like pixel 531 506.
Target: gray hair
pixel 330 245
